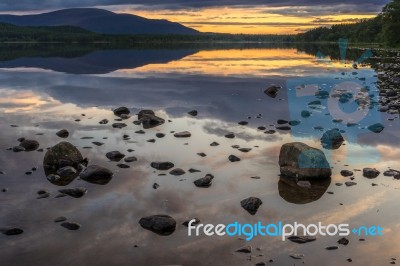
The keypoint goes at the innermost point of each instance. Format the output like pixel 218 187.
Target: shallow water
pixel 45 94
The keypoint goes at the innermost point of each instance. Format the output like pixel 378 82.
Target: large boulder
pixel 299 160
pixel 59 156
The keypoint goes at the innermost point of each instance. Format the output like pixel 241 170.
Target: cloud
pixel 27 5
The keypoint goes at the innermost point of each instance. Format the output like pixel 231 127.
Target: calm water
pixel 43 94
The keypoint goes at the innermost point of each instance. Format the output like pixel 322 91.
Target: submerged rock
pixel 63 133
pixel 346 173
pixel 251 204
pixel 11 231
pixel 149 119
pixel 162 165
pixel 193 113
pixel 370 172
pixel 121 111
pixel 97 175
pixel 177 172
pixel 204 182
pixel 71 226
pixel 74 192
pixel 302 239
pixel 376 128
pixel 61 155
pixel 233 158
pixel 119 125
pixel 272 91
pixel 332 139
pixel 115 156
pixel 159 224
pixel 245 249
pixel 29 144
pixel 184 134
pixel 299 160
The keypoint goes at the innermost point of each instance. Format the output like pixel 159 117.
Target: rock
pixel 11 231
pixel 71 226
pixel 350 183
pixel 296 256
pixel 244 149
pixel 245 249
pixel 391 172
pixel 243 123
pixel 191 170
pixel 343 241
pixel 233 158
pixel 282 121
pixel 123 166
pixel 370 172
pixel 119 125
pixel 331 248
pixel 130 159
pixel 115 156
pixel 67 172
pixel 397 177
pixel 284 128
pixel 98 143
pixel 61 155
pixel 302 239
pixel 29 144
pixel 294 123
pixel 18 149
pixel 97 175
pixel 151 140
pixel 60 219
pixel 193 113
pixel 305 114
pixel 103 122
pixel 160 135
pixel 177 172
pixel 162 165
pixel 149 119
pixel 159 224
pixel 213 144
pixel 74 192
pixel 63 133
pixel 155 185
pixel 140 132
pixel 196 222
pixel 332 139
pixel 251 204
pixel 121 111
pixel 184 134
pixel 299 160
pixel 376 128
pixel 230 136
pixel 204 182
pixel 201 154
pixel 346 173
pixel 272 91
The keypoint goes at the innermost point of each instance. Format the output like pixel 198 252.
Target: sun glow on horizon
pixel 246 20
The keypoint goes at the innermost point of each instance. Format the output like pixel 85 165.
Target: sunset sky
pixel 225 16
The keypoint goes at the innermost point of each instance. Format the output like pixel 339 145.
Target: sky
pixel 224 16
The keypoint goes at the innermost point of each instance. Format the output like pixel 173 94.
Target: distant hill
pixel 99 21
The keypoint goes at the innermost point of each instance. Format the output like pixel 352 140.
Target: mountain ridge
pixel 99 21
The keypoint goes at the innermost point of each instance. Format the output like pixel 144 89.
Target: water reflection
pixel 45 102
pixel 302 193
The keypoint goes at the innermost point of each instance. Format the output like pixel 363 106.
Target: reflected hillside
pixel 88 60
